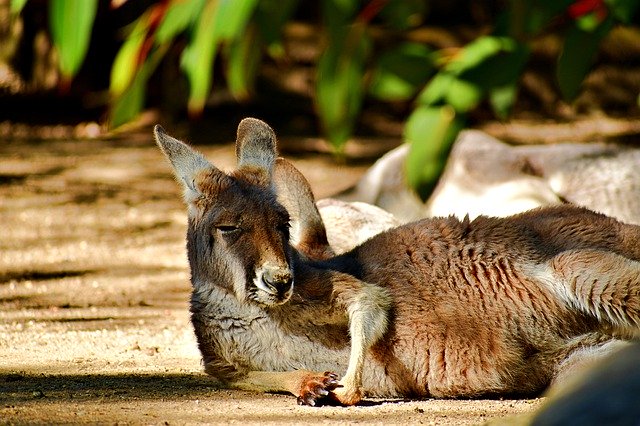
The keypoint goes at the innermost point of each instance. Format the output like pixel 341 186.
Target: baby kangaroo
pixel 439 307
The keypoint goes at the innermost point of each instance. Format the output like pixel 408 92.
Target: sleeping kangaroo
pixel 439 307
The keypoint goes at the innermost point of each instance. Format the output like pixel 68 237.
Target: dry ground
pixel 94 289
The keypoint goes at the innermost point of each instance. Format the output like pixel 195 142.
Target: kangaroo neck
pixel 314 279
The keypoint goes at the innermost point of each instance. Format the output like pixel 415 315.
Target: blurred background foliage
pixel 439 64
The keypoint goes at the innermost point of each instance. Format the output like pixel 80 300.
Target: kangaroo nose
pixel 279 279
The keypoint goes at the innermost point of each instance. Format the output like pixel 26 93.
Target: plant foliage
pixel 70 22
pixel 445 85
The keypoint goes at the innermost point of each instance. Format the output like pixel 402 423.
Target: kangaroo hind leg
pixel 601 283
pixel 581 353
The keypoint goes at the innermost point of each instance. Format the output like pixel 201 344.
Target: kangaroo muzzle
pixel 275 280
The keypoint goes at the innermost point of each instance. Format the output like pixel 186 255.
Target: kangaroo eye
pixel 284 227
pixel 227 229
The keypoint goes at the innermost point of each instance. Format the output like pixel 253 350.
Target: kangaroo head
pixel 238 234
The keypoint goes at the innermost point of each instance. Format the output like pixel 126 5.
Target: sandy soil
pixel 93 298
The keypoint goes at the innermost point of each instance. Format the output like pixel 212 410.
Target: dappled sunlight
pixel 195 398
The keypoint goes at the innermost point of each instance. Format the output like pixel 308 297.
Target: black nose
pixel 279 279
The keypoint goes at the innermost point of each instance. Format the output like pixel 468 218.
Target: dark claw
pixel 320 390
pixel 318 387
pixel 310 400
pixel 332 383
pixel 331 375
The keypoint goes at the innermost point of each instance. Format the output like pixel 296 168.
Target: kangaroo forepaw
pixel 317 386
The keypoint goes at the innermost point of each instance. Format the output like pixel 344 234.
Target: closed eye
pixel 227 229
pixel 284 228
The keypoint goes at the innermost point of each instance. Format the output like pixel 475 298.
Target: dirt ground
pixel 94 298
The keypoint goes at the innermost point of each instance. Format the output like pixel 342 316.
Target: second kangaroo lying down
pixel 439 307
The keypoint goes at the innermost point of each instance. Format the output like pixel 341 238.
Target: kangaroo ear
pixel 256 148
pixel 308 233
pixel 188 164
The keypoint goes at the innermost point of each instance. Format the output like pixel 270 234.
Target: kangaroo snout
pixel 275 280
pixel 278 277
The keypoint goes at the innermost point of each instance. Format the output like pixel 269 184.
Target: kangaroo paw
pixel 315 386
pixel 347 395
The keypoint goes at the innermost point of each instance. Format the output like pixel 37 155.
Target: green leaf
pixel 445 88
pixel 179 16
pixel 430 131
pixel 577 57
pixel 502 99
pixel 128 105
pixel 588 22
pixel 243 58
pixel 271 16
pixel 16 6
pixel 340 10
pixel 404 14
pixel 337 16
pixel 197 58
pixel 70 22
pixel 623 10
pixel 478 51
pixel 221 20
pixel 488 63
pixel 232 18
pixel 400 72
pixel 437 89
pixel 339 84
pixel 502 68
pixel 464 95
pixel 126 61
pixel 526 18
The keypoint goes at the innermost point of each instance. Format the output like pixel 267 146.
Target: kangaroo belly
pixel 472 325
pixel 460 360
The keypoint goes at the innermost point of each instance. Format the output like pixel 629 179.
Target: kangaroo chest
pixel 245 337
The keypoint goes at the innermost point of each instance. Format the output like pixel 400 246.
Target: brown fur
pixel 439 307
